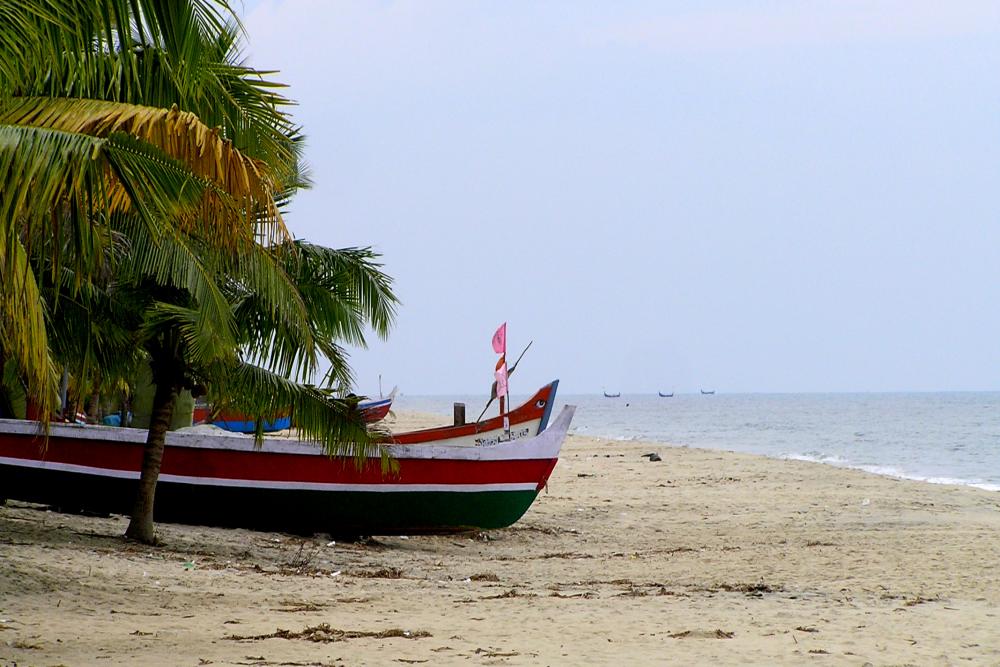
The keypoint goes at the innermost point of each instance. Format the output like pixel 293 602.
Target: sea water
pixel 946 438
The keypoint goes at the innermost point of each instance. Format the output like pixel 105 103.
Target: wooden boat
pixel 373 411
pixel 662 395
pixel 451 484
pixel 528 419
pixel 238 422
pixel 616 395
pixel 707 393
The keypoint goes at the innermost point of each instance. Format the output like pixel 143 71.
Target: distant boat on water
pixel 662 395
pixel 607 395
pixel 707 393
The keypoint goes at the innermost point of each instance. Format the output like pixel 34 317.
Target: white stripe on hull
pixel 543 446
pixel 382 487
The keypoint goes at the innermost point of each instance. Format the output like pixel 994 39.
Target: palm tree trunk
pixel 140 528
pixel 6 409
pixel 94 408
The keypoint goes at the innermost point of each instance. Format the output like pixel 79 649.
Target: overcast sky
pixel 740 196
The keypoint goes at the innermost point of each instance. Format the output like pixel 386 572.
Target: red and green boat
pixel 455 478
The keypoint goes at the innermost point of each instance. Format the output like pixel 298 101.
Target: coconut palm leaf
pixel 273 319
pixel 58 184
pixel 22 323
pixel 166 258
pixel 92 337
pixel 143 169
pixel 240 186
pixel 334 423
pixel 354 275
pixel 176 53
pixel 342 292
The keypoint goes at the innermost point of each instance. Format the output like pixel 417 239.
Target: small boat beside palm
pixel 373 411
pixel 239 422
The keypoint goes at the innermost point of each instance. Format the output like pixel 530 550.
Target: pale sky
pixel 742 196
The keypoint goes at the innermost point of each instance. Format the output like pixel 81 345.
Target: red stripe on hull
pixel 276 466
pixel 376 413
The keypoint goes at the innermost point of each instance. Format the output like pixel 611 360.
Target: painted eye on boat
pixel 540 404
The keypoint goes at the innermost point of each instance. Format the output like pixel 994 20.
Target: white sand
pixel 703 557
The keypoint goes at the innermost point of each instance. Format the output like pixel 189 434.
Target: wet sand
pixel 703 557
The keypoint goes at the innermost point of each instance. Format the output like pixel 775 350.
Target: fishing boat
pixel 615 395
pixel 707 393
pixel 455 483
pixel 662 395
pixel 373 411
pixel 238 422
pixel 527 420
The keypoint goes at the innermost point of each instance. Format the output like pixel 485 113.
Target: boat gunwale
pixel 535 447
pixel 547 392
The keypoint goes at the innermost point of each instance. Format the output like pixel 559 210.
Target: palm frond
pixel 274 322
pixel 334 423
pixel 212 158
pixel 165 258
pixel 340 293
pixel 23 335
pixel 204 344
pixel 157 53
pixel 352 275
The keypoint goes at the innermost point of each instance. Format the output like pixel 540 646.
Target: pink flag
pixel 501 376
pixel 500 340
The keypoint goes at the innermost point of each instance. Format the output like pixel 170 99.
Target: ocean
pixel 944 438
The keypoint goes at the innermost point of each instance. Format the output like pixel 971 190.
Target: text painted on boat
pixel 515 434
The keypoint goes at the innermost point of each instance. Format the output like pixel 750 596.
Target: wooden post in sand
pixel 459 414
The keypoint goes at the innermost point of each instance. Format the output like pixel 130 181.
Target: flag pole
pixel 506 386
pixel 506 415
pixel 502 363
pixel 500 347
pixel 493 391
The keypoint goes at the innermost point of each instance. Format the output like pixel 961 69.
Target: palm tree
pixel 325 296
pixel 156 164
pixel 91 128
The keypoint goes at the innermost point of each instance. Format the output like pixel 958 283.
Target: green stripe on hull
pixel 346 513
pixel 292 511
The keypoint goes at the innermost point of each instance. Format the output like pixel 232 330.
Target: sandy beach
pixel 703 557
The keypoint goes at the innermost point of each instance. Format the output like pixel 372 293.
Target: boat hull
pixel 527 420
pixel 290 486
pixel 238 423
pixel 373 411
pixel 298 511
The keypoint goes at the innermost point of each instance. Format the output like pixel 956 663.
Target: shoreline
pixel 410 419
pixel 885 434
pixel 703 556
pixel 881 471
